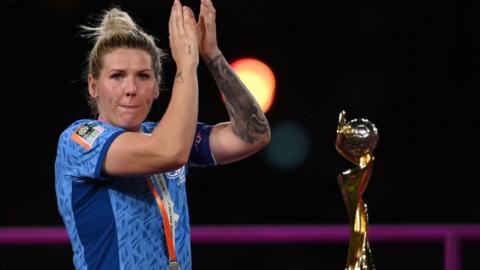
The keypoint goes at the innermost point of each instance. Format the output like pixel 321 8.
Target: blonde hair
pixel 118 30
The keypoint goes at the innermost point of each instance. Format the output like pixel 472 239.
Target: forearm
pixel 178 124
pixel 247 118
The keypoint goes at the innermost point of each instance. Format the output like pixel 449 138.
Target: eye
pixel 144 76
pixel 116 76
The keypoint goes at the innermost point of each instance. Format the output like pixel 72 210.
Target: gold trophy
pixel 356 141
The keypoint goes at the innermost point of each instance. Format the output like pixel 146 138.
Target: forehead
pixel 127 59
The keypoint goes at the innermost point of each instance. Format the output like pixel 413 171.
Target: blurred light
pixel 288 147
pixel 259 79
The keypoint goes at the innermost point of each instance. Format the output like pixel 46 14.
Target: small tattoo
pixel 179 77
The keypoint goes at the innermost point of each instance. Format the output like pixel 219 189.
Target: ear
pixel 92 86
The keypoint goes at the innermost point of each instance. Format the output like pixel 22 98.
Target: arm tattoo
pixel 249 121
pixel 179 77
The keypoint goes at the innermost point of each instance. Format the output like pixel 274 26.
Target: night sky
pixel 410 68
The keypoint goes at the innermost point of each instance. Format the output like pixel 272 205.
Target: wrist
pixel 188 68
pixel 210 55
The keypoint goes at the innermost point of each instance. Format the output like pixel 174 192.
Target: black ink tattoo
pixel 249 121
pixel 179 77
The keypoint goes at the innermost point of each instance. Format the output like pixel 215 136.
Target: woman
pixel 120 181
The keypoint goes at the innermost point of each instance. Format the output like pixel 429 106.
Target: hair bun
pixel 115 21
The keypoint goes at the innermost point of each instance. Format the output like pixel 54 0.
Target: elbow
pixel 268 136
pixel 265 138
pixel 179 151
pixel 179 158
pixel 172 158
pixel 182 158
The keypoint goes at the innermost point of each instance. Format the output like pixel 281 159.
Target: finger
pixel 188 14
pixel 208 5
pixel 189 21
pixel 203 9
pixel 209 12
pixel 178 17
pixel 201 22
pixel 210 19
pixel 171 20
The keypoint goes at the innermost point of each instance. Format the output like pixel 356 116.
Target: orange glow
pixel 258 78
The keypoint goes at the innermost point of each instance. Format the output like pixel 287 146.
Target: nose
pixel 131 88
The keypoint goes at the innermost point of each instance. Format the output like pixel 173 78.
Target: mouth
pixel 129 107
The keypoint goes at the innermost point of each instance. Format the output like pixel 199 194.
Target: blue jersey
pixel 114 222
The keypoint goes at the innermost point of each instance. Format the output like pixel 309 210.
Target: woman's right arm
pixel 168 147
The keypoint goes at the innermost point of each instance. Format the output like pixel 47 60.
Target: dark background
pixel 410 67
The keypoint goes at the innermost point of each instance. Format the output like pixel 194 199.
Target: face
pixel 125 88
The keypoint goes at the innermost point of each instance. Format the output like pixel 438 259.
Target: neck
pixel 102 119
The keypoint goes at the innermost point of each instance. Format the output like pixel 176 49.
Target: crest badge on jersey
pixel 86 134
pixel 175 173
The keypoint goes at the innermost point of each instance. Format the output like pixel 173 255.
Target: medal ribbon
pixel 166 224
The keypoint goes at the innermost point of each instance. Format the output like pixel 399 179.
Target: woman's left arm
pixel 248 130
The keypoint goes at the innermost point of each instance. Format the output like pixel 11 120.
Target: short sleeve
pixel 82 148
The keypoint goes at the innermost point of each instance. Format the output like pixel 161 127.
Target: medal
pixel 174 266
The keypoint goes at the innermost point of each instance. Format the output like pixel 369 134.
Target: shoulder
pixel 86 131
pixel 72 128
pixel 84 126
